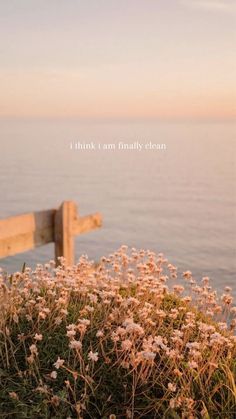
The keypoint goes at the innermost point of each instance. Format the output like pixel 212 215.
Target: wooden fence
pixel 24 232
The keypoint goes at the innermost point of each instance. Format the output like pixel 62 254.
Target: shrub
pixel 119 340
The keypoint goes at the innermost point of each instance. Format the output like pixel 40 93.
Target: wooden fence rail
pixel 24 232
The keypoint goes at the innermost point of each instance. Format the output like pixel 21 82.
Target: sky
pixel 132 59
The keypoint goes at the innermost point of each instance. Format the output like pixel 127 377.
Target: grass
pixel 119 340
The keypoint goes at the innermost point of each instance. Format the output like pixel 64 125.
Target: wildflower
pixel 192 364
pixel 93 356
pixel 175 402
pixel 196 355
pixel 190 316
pixel 58 321
pixel 178 289
pixel 222 325
pixel 106 301
pixel 38 337
pixel 161 313
pixel 216 338
pixel 93 298
pixel 75 344
pixel 126 345
pixel 61 300
pixel 82 328
pixel 85 322
pixel 42 389
pixel 178 333
pixel 115 337
pixel 187 299
pixel 132 327
pixel 173 313
pixel 193 345
pixel 139 298
pixel 173 353
pixel 64 311
pixel 46 310
pixel 53 375
pixel 233 324
pixel 125 364
pixel 132 300
pixel 177 372
pixel 233 339
pixel 171 387
pixel 21 337
pixel 71 326
pixel 30 359
pixel 89 308
pixel 189 402
pixel 33 349
pixel 148 355
pixel 59 363
pixel 172 403
pixel 42 315
pixel 13 395
pixel 159 341
pixel 70 333
pixel 227 299
pixel 205 280
pixel 187 274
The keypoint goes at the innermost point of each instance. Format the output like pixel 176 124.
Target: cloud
pixel 212 5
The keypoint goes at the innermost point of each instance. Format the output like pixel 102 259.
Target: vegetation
pixel 120 340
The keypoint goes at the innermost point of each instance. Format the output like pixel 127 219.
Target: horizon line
pixel 230 119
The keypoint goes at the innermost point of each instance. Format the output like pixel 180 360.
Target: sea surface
pixel 180 200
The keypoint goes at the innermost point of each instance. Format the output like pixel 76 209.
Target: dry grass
pixel 121 340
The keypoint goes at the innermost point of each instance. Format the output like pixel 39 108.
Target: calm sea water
pixel 181 201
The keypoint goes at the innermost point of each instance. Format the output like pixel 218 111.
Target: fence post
pixel 65 218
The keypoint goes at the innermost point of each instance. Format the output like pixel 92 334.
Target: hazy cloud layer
pixel 212 5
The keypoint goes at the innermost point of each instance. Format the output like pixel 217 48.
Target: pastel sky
pixel 166 59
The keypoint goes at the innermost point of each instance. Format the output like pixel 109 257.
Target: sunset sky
pixel 166 59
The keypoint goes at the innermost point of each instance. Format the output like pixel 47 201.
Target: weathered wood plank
pixel 64 231
pixel 23 242
pixel 25 223
pixel 25 232
pixel 87 223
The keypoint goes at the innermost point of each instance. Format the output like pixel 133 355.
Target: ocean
pixel 168 187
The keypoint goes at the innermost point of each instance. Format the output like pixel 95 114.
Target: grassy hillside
pixel 120 340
